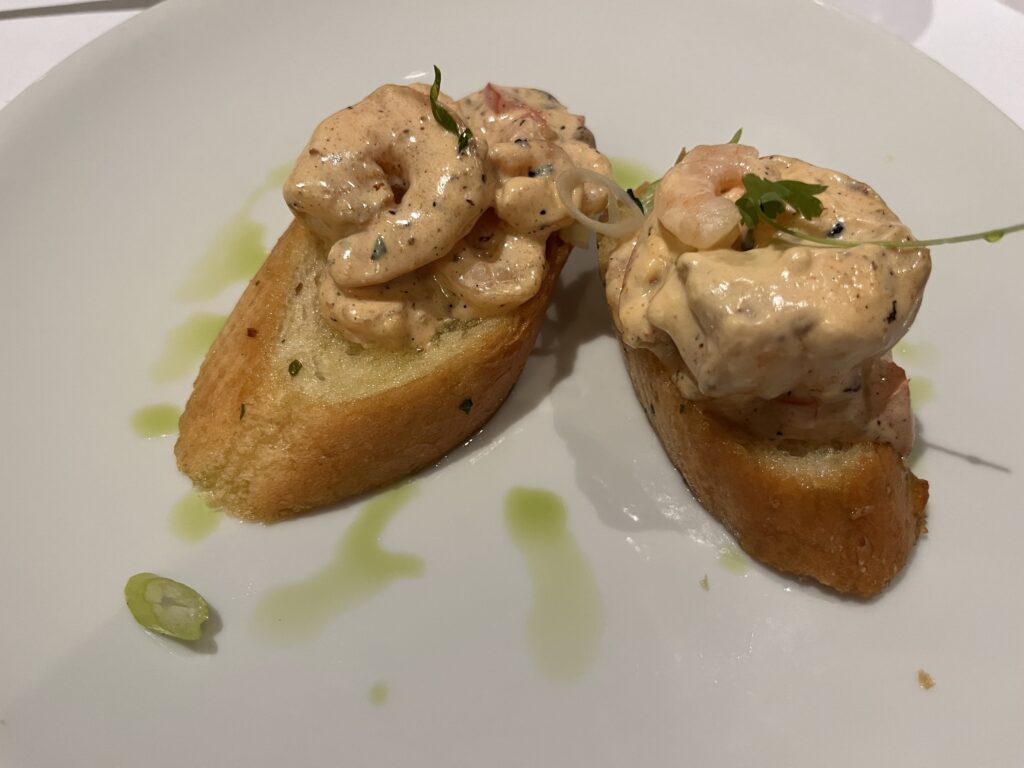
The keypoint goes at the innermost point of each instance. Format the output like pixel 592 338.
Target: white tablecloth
pixel 981 41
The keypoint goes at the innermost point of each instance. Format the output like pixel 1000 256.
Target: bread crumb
pixel 704 583
pixel 925 680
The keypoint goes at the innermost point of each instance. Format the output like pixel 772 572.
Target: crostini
pixel 757 334
pixel 397 311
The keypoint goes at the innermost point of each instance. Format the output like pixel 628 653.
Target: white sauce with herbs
pixel 422 233
pixel 789 339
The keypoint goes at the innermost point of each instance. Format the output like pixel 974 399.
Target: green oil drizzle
pixel 732 560
pixel 378 695
pixel 630 175
pixel 567 618
pixel 360 569
pixel 236 252
pixel 186 345
pixel 276 177
pixel 921 390
pixel 156 420
pixel 920 353
pixel 192 520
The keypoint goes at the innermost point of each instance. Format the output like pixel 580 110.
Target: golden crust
pixel 847 516
pixel 294 449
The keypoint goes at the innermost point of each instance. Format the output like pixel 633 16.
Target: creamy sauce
pixel 423 234
pixel 791 340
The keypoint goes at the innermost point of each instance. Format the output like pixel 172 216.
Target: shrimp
pixel 871 404
pixel 527 199
pixel 403 313
pixel 501 114
pixel 492 269
pixel 387 184
pixel 690 201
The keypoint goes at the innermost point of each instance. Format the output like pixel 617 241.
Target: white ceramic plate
pixel 122 168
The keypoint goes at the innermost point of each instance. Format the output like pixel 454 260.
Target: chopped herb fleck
pixel 294 367
pixel 380 248
pixel 444 117
pixel 466 405
pixel 736 136
pixel 241 412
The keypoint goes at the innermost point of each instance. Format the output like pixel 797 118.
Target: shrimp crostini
pixel 398 309
pixel 764 364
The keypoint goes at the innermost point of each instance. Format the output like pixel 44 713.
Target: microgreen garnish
pixel 294 367
pixel 766 200
pixel 644 195
pixel 989 236
pixel 443 116
pixel 736 136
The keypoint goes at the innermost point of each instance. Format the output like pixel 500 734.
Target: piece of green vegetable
pixel 443 116
pixel 736 136
pixel 644 195
pixel 294 367
pixel 166 606
pixel 766 200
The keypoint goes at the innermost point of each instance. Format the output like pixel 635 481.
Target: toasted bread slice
pixel 285 416
pixel 845 515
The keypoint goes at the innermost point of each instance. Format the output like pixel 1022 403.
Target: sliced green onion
pixel 166 606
